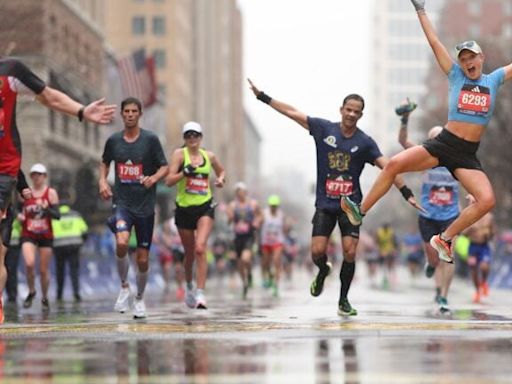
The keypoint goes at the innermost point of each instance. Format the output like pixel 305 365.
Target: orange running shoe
pixel 484 288
pixel 443 248
pixel 476 297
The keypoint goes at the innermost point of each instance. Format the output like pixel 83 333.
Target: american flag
pixel 137 74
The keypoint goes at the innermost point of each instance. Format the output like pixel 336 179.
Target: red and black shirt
pixel 15 78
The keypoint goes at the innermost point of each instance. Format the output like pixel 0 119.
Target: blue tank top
pixel 472 101
pixel 439 195
pixel 340 161
pixel 243 218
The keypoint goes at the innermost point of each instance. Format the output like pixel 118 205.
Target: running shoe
pixel 78 298
pixel 139 309
pixel 200 300
pixel 28 301
pixel 476 297
pixel 345 309
pixel 429 270
pixel 352 210
pixel 318 283
pixel 275 291
pixel 2 316
pixel 443 248
pixel 180 294
pixel 45 304
pixel 443 306
pixel 190 297
pixel 245 290
pixel 122 303
pixel 484 289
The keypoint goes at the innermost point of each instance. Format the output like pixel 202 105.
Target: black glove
pixel 189 170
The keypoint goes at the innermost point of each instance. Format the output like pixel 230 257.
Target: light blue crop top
pixel 473 101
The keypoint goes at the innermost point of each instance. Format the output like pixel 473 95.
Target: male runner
pixel 139 164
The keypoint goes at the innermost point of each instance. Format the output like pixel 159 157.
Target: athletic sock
pixel 321 263
pixel 141 278
pixel 346 276
pixel 122 268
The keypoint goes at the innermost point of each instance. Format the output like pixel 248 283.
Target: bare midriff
pixel 466 131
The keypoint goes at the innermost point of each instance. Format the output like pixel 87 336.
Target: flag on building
pixel 137 73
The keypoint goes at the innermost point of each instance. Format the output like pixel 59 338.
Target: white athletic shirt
pixel 272 230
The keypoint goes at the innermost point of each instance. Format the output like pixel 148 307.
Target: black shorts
pixel 243 242
pixel 429 227
pixel 7 187
pixel 41 243
pixel 453 152
pixel 325 221
pixel 187 217
pixel 123 220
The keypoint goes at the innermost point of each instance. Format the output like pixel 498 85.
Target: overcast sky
pixel 310 54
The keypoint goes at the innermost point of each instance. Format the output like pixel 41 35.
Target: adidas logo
pixel 476 89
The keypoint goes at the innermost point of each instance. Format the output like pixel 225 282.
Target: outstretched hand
pixel 419 5
pixel 254 89
pixel 98 112
pixel 411 200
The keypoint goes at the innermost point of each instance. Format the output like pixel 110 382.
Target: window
pixel 160 58
pixel 159 25
pixel 138 25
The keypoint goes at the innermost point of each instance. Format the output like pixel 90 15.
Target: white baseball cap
pixel 470 45
pixel 38 168
pixel 192 126
pixel 240 186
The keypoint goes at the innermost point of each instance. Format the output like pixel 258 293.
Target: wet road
pixel 398 337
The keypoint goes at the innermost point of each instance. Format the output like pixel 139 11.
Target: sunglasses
pixel 465 45
pixel 191 134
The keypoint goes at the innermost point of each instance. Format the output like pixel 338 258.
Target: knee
pixel 349 256
pixel 200 250
pixel 393 167
pixel 121 248
pixel 488 202
pixel 317 250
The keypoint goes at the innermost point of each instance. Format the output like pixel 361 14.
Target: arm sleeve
pixel 26 77
pixel 22 182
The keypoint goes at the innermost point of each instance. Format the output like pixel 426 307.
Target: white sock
pixel 122 268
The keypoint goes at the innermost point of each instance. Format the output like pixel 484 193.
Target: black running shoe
pixel 318 283
pixel 45 304
pixel 345 309
pixel 28 301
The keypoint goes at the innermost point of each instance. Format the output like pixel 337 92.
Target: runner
pixel 245 215
pixel 412 249
pixel 37 234
pixel 16 78
pixel 342 152
pixel 387 245
pixel 272 240
pixel 440 201
pixel 472 98
pixel 195 210
pixel 139 164
pixel 480 234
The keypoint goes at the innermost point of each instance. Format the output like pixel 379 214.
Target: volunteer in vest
pixel 387 245
pixel 471 100
pixel 244 213
pixel 15 79
pixel 139 163
pixel 37 234
pixel 69 233
pixel 190 171
pixel 342 151
pixel 272 240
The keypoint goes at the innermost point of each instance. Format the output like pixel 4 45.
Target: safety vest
pixel 69 230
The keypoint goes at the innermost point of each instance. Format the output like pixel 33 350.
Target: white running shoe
pixel 122 303
pixel 200 301
pixel 190 298
pixel 139 309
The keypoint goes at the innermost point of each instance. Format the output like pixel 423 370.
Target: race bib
pixel 242 227
pixel 441 197
pixel 129 173
pixel 334 188
pixel 474 100
pixel 196 186
pixel 38 226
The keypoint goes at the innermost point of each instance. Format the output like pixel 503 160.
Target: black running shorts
pixel 187 217
pixel 453 152
pixel 325 221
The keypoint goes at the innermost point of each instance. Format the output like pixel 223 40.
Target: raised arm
pixel 440 52
pixel 404 110
pixel 283 108
pixel 508 71
pixel 95 112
